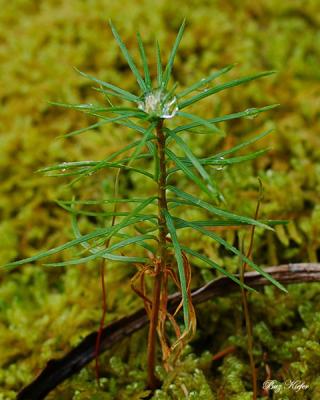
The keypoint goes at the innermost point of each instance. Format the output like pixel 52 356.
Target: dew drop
pixel 64 169
pixel 269 173
pixel 220 167
pixel 159 103
pixel 251 113
pixel 85 105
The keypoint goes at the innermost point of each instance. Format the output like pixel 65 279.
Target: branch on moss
pixel 56 371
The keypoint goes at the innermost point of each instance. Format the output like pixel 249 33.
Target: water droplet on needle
pixel 159 103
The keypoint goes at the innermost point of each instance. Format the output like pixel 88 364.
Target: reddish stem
pixel 160 265
pixel 223 353
pixel 102 320
pixel 103 285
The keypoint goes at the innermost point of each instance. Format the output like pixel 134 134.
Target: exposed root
pixel 170 350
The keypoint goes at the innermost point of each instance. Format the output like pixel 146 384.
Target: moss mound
pixel 43 313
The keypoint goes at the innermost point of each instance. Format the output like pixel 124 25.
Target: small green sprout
pixel 164 257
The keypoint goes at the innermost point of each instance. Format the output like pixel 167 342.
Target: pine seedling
pixel 151 223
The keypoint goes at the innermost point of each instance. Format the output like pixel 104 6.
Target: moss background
pixel 43 313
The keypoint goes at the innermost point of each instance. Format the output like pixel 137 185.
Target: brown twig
pixel 57 371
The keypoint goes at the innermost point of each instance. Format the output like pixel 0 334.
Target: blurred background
pixel 42 314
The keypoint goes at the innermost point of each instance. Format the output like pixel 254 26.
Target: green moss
pixel 43 313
